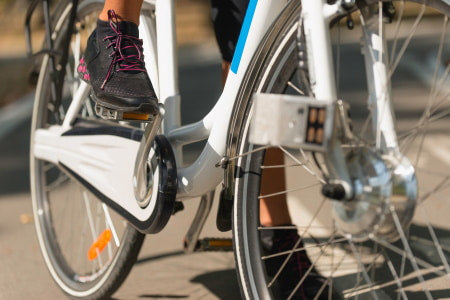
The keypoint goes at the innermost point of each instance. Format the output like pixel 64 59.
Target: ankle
pixel 122 15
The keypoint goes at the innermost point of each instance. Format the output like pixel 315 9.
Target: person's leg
pixel 125 10
pixel 273 210
pixel 225 69
pixel 227 17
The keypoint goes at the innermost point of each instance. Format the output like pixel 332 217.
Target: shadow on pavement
pixel 426 257
pixel 160 296
pixel 222 284
pixel 159 256
pixel 436 294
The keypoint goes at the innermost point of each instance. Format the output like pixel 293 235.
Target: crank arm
pixel 141 190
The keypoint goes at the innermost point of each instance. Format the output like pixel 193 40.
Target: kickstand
pixel 192 236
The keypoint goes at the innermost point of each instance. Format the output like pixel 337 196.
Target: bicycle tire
pixel 57 197
pixel 273 65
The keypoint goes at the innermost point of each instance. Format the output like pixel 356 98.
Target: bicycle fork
pixel 374 184
pixel 320 122
pixel 309 122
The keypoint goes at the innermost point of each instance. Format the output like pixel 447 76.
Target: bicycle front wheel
pixel 331 261
pixel 88 248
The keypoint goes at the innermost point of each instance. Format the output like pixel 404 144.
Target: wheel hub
pixel 385 196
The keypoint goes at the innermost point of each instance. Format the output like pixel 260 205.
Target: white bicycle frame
pixel 106 162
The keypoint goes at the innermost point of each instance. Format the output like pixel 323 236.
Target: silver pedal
pixel 291 121
pixel 111 114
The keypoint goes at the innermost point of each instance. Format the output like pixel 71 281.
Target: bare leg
pixel 125 10
pixel 225 69
pixel 273 211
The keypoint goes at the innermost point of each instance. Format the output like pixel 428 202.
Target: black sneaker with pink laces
pixel 113 64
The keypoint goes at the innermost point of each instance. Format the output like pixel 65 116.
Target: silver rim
pixel 69 219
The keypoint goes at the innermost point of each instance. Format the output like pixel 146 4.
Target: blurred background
pixel 162 270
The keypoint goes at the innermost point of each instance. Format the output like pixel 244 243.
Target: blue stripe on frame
pixel 243 36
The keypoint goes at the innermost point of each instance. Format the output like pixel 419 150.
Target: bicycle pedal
pixel 214 244
pixel 291 121
pixel 112 114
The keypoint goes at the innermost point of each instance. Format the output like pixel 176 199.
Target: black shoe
pixel 277 241
pixel 113 65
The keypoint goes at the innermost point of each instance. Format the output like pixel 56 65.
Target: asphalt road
pixel 162 270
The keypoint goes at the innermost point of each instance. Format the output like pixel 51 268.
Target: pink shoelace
pixel 126 60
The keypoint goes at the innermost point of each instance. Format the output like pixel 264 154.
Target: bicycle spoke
pixel 281 166
pixel 289 191
pixel 322 252
pixel 303 165
pixel 436 68
pixel 407 41
pixel 439 187
pixel 301 234
pixel 403 266
pixel 286 260
pixel 111 225
pixel 413 260
pixel 245 154
pixel 363 131
pixel 81 246
pixel 426 113
pixel 376 268
pixel 397 31
pixel 337 241
pixel 91 224
pixel 435 240
pixel 357 288
pixel 414 131
pixel 361 266
pixel 418 261
pixel 287 227
pixel 394 274
pixel 333 271
pixel 298 90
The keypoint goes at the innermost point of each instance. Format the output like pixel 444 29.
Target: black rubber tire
pixel 246 242
pixel 118 267
pixel 250 269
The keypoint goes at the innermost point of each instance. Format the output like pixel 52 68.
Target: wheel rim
pixel 70 220
pixel 416 264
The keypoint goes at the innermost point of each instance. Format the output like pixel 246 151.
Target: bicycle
pixel 371 236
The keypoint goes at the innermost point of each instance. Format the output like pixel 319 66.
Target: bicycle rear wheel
pixel 416 264
pixel 88 249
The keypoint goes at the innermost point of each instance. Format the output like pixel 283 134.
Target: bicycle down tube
pixel 202 176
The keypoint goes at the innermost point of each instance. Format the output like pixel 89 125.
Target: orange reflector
pixel 220 243
pixel 134 116
pixel 99 245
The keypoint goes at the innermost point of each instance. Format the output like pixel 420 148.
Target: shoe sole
pixel 134 112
